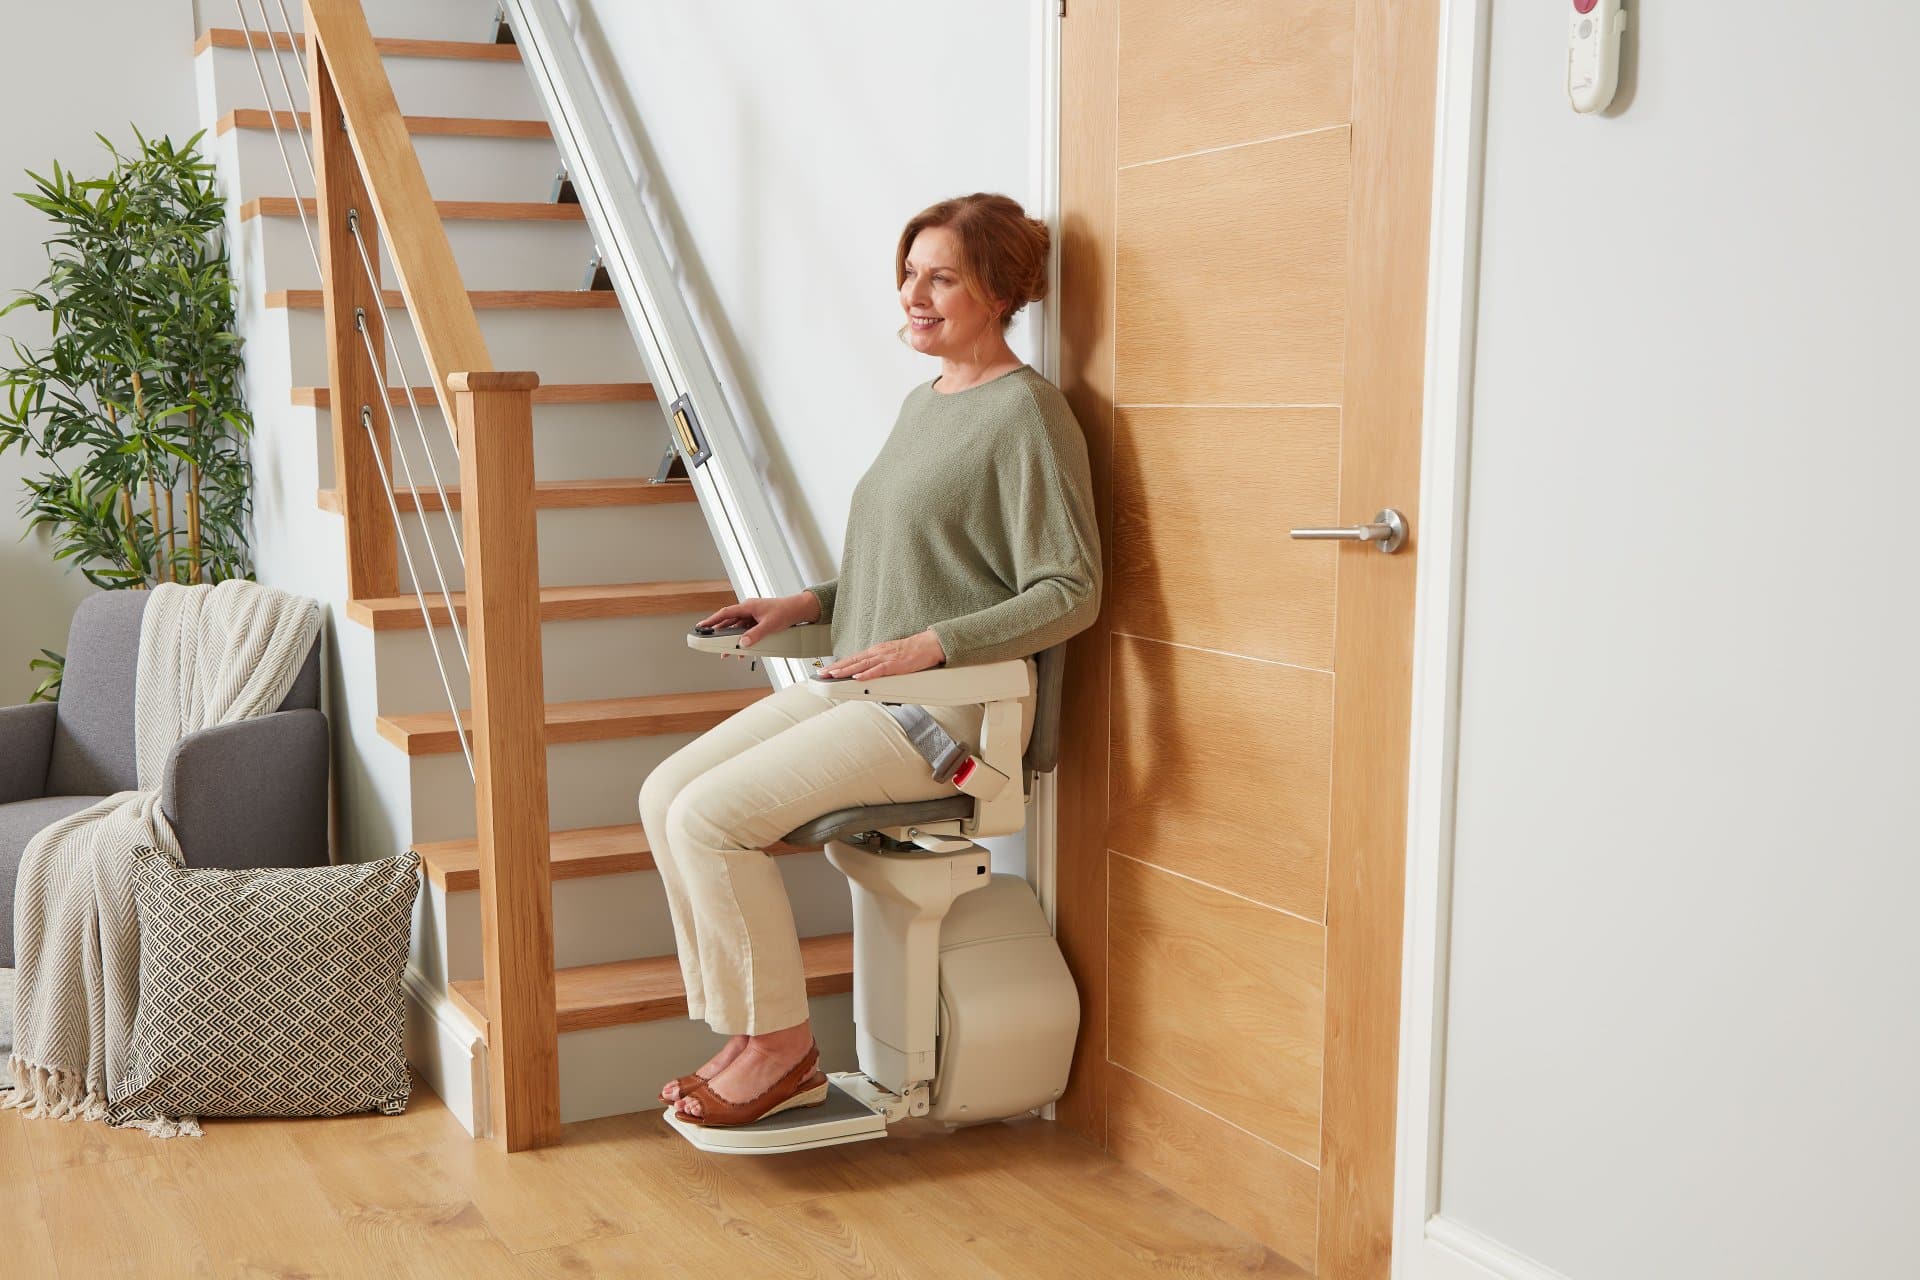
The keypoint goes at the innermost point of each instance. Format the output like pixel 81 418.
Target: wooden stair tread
pixel 649 990
pixel 556 393
pixel 560 604
pixel 480 299
pixel 625 491
pixel 442 126
pixel 454 865
pixel 388 46
pixel 429 733
pixel 453 210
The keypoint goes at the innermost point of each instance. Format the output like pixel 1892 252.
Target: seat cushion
pixel 270 993
pixel 19 823
pixel 845 822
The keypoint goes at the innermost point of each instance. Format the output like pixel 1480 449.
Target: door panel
pixel 1245 203
pixel 1189 965
pixel 1232 275
pixel 1229 71
pixel 1221 771
pixel 1234 1175
pixel 1200 557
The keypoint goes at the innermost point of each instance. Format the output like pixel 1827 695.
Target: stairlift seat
pixel 854 825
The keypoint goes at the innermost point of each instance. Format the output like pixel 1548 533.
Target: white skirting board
pixel 1453 1252
pixel 447 1053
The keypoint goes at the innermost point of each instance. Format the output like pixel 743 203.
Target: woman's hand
pixel 920 652
pixel 767 615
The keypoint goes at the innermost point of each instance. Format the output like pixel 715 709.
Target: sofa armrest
pixel 252 793
pixel 938 686
pixel 26 745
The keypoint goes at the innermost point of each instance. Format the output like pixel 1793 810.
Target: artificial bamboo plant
pixel 134 405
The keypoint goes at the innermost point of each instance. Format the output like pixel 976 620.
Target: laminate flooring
pixel 413 1195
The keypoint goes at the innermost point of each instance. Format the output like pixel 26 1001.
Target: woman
pixel 970 540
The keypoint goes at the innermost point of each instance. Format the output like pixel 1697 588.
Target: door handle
pixel 1388 531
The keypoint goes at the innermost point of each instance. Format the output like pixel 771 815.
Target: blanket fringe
pixel 48 1093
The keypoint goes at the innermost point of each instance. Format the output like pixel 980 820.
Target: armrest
pixel 939 687
pixel 252 793
pixel 26 745
pixel 801 640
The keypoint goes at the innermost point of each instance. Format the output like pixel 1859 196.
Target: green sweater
pixel 976 519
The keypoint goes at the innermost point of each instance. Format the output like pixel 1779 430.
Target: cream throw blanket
pixel 208 655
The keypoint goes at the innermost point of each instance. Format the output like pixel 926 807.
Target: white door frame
pixel 1427 1245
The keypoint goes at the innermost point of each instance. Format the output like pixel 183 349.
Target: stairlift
pixel 964 1010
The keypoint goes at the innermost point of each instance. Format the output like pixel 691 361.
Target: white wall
pixel 790 143
pixel 74 68
pixel 1683 1031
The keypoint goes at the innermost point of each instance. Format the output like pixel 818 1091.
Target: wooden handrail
pixel 402 202
pixel 365 166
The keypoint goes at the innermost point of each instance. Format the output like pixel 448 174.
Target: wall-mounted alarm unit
pixel 1593 53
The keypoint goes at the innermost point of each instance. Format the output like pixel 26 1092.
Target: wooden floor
pixel 412 1195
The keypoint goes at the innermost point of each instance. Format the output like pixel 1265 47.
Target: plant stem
pixel 153 510
pixel 173 541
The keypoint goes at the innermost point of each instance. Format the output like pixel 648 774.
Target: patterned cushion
pixel 271 993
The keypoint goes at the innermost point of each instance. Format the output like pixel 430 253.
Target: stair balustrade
pixel 369 191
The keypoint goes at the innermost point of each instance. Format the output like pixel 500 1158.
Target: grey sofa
pixel 250 794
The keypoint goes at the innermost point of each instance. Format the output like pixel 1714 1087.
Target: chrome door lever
pixel 1388 531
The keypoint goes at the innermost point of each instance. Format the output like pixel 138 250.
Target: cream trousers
pixel 711 808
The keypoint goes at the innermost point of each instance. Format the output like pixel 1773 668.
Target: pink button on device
pixel 1584 6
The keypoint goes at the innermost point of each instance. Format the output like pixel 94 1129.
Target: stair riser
pixel 561 346
pixel 570 441
pixel 491 255
pixel 599 658
pixel 414 19
pixel 581 546
pixel 457 168
pixel 609 918
pixel 589 784
pixel 422 86
pixel 614 1071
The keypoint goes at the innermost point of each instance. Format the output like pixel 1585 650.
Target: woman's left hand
pixel 920 652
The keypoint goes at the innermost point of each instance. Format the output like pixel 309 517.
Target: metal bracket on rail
pixel 598 280
pixel 502 30
pixel 563 192
pixel 684 426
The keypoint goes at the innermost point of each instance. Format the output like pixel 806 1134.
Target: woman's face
pixel 943 319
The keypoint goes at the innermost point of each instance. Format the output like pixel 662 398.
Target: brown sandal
pixel 684 1083
pixel 800 1087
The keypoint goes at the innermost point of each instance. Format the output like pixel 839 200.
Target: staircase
pixel 626 564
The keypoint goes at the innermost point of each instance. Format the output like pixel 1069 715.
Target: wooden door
pixel 1245 235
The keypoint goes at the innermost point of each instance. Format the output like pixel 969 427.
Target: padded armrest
pixel 939 687
pixel 252 793
pixel 26 745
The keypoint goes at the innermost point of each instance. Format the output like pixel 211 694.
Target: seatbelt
pixel 947 758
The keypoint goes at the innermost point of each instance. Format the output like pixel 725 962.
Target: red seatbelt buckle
pixel 978 778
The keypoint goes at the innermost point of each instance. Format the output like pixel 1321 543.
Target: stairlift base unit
pixel 1007 1015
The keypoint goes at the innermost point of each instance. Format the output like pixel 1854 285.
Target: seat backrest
pixel 1043 747
pixel 93 734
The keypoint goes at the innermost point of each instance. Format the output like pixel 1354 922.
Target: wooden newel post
pixel 494 412
pixel 351 301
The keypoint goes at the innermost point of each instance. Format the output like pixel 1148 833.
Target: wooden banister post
pixel 494 412
pixel 372 553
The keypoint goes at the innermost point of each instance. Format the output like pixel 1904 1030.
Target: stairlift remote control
pixel 1593 53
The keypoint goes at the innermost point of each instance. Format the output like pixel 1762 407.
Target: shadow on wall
pixel 776 469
